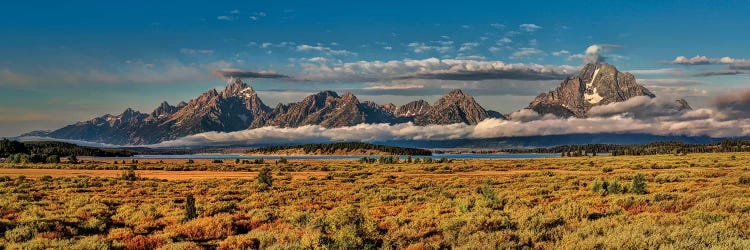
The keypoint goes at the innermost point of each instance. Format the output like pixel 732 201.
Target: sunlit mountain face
pixel 263 72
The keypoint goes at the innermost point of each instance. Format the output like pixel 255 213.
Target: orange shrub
pixel 207 228
pixel 143 242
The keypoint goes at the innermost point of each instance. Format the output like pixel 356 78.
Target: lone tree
pixel 190 211
pixel 639 184
pixel 73 159
pixel 265 179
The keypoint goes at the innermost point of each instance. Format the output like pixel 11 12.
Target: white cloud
pixel 662 71
pixel 497 25
pixel 430 68
pixel 734 63
pixel 196 51
pixel 323 49
pixel 529 27
pixel 526 52
pixel 696 60
pixel 560 53
pixel 132 71
pixel 594 53
pixel 467 46
pixel 442 47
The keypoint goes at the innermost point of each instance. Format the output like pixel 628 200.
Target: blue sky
pixel 68 61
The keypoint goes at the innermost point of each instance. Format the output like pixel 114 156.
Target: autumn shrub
pixel 92 243
pixel 20 233
pixel 745 180
pixel 348 228
pixel 144 242
pixel 180 246
pixel 239 242
pixel 206 228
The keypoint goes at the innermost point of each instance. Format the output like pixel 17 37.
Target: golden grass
pixel 693 201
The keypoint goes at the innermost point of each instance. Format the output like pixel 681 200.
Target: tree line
pixel 344 146
pixel 652 148
pixel 51 151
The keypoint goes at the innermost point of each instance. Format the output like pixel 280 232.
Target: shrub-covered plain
pixel 664 201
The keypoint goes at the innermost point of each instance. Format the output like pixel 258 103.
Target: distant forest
pixel 643 149
pixel 345 146
pixel 49 148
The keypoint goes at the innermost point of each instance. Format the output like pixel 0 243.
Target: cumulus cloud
pixel 247 74
pixel 735 105
pixel 594 53
pixel 735 66
pixel 704 60
pixel 431 68
pixel 696 60
pixel 639 107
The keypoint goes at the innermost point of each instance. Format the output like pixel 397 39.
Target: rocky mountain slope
pixel 596 84
pixel 238 107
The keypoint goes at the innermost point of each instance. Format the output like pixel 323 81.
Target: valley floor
pixel 692 201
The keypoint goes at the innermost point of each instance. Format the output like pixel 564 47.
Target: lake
pixel 332 157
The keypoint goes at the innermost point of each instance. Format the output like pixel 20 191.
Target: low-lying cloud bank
pixel 636 115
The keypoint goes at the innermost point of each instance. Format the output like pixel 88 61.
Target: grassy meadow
pixel 605 202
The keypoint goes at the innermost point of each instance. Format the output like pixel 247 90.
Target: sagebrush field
pixel 691 201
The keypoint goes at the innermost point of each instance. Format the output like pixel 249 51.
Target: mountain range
pixel 238 107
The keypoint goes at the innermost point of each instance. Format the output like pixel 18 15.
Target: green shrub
pixel 265 179
pixel 639 184
pixel 20 233
pixel 615 188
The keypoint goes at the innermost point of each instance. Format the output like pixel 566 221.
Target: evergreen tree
pixel 639 184
pixel 265 179
pixel 190 211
